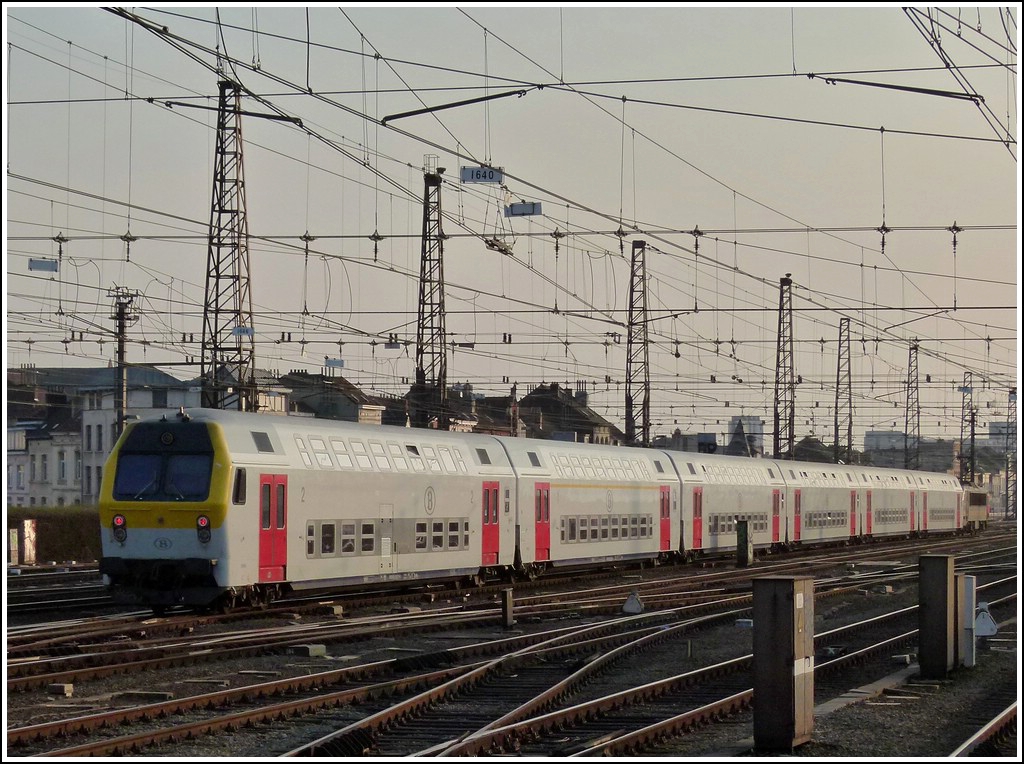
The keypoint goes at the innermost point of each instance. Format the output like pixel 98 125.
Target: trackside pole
pixel 936 615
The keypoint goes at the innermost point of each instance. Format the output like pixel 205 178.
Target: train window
pixel 362 458
pixel 310 540
pixel 577 466
pixel 615 527
pixel 453 535
pixel 280 507
pixel 437 536
pixel 396 455
pixel 301 444
pixel 561 527
pixel 657 466
pixel 367 537
pixel 341 453
pixel 317 444
pixel 584 522
pixel 421 535
pixel 588 467
pixel 324 459
pixel 572 529
pixel 534 460
pixel 262 441
pixel 459 461
pixel 348 538
pixel 432 461
pixel 381 459
pixel 265 506
pixel 481 454
pixel 446 459
pixel 327 539
pixel 692 470
pixel 604 528
pixel 238 494
pixel 465 533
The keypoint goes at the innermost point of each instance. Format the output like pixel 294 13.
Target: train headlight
pixel 120 525
pixel 203 529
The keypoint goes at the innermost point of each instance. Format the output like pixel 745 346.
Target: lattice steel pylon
pixel 1010 511
pixel 967 431
pixel 228 345
pixel 429 393
pixel 638 372
pixel 843 431
pixel 912 430
pixel 785 381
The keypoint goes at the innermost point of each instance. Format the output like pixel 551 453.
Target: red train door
pixel 490 535
pixel 666 519
pixel 698 514
pixel 912 510
pixel 867 512
pixel 924 510
pixel 775 515
pixel 273 527
pixel 796 514
pixel 542 520
pixel 853 513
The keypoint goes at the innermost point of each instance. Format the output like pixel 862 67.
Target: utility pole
pixel 912 430
pixel 1010 510
pixel 124 315
pixel 228 345
pixel 638 374
pixel 843 448
pixel 429 393
pixel 785 382
pixel 967 430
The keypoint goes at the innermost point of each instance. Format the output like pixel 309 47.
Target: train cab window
pixel 396 456
pixel 421 535
pixel 348 538
pixel 482 455
pixel 534 460
pixel 690 467
pixel 262 441
pixel 238 493
pixel 327 539
pixel 367 537
pixel 341 453
pixel 437 536
pixel 658 467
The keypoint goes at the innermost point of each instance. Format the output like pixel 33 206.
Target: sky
pixel 846 146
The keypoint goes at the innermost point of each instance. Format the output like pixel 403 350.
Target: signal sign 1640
pixel 482 175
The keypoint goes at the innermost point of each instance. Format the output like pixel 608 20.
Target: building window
pixel 20 476
pixel 78 466
pixel 160 398
pixel 62 467
pixel 99 437
pixel 87 483
pixel 32 469
pixel 88 437
pixel 44 472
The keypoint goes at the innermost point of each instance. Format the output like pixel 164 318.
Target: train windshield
pixel 163 477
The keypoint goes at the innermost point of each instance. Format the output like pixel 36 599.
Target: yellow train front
pixel 163 508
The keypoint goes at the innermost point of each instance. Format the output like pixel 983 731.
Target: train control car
pixel 211 507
